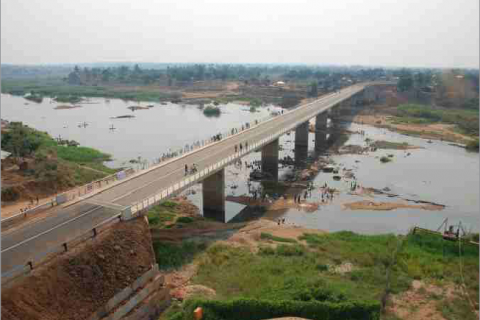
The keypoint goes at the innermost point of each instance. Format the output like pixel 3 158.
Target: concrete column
pixel 270 159
pixel 214 196
pixel 301 135
pixel 321 131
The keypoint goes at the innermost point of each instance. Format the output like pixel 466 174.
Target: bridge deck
pixel 18 247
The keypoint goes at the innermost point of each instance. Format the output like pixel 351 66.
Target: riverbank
pixel 265 261
pixel 452 127
pixel 41 167
pixel 199 92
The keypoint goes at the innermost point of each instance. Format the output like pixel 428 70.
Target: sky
pixel 391 33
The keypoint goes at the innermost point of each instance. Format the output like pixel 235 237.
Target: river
pixel 439 172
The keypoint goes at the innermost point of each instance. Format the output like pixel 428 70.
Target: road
pixel 17 249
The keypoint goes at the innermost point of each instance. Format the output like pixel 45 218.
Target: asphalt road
pixel 17 249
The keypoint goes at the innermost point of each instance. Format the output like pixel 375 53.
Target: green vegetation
pixel 212 111
pixel 56 166
pixel 390 145
pixel 472 145
pixel 34 97
pixel 285 280
pixel 465 120
pixel 253 309
pixel 64 91
pixel 385 159
pixel 160 214
pixel 81 154
pixel 269 236
pixel 253 109
pixel 10 194
pixel 185 220
pixel 69 99
pixel 169 255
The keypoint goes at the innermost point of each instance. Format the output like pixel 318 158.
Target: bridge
pixel 133 195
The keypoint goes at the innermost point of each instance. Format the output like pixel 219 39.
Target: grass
pixel 306 273
pixel 289 271
pixel 56 87
pixel 160 214
pixel 81 154
pixel 169 255
pixel 268 236
pixel 456 309
pixel 465 119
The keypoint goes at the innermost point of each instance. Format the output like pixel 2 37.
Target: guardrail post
pixel 127 214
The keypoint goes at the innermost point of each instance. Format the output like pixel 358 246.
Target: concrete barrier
pixel 127 292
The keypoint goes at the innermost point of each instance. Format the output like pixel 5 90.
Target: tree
pixel 406 81
pixel 313 89
pixel 20 140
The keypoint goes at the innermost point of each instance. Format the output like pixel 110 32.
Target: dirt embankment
pixel 77 284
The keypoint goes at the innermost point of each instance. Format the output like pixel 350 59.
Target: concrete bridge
pixel 131 195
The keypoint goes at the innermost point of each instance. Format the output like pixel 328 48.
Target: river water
pixel 439 172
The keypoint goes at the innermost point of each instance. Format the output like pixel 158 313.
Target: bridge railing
pixel 53 251
pixel 69 196
pixel 142 206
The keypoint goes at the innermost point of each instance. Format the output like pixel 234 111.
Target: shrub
pixel 254 309
pixel 385 159
pixel 473 145
pixel 10 194
pixel 170 255
pixel 211 111
pixel 185 220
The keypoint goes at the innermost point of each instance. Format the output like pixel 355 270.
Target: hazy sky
pixel 430 33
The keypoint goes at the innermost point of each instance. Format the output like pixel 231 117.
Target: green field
pixel 466 120
pixel 316 272
pixel 73 93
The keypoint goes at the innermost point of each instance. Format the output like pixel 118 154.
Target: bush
pixel 185 220
pixel 473 145
pixel 254 309
pixel 170 255
pixel 10 194
pixel 211 111
pixel 385 159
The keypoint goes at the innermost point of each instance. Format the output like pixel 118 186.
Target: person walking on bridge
pixel 186 169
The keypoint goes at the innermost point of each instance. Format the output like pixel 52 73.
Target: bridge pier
pixel 301 144
pixel 214 196
pixel 301 135
pixel 270 159
pixel 321 131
